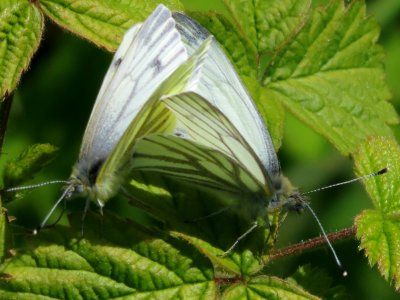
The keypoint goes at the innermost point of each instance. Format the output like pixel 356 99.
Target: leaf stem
pixel 5 109
pixel 312 243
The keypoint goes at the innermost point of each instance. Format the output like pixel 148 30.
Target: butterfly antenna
pixel 383 171
pixel 64 194
pixel 27 187
pixel 339 264
pixel 380 172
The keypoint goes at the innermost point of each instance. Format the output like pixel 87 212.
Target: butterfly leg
pixel 217 212
pixel 248 231
pixel 87 204
pixel 135 201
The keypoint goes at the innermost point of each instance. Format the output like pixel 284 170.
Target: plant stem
pixel 5 109
pixel 312 243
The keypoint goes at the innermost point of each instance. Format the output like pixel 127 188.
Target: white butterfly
pixel 151 62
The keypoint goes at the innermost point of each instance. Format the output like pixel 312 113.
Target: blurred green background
pixel 54 100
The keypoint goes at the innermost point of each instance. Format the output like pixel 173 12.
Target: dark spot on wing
pixel 94 171
pixel 181 133
pixel 157 65
pixel 192 31
pixel 118 62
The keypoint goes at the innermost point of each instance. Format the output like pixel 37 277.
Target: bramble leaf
pixel 265 287
pixel 21 26
pixel 101 22
pixel 379 228
pixel 145 265
pixel 125 260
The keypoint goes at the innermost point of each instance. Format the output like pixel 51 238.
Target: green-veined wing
pixel 212 155
pixel 153 117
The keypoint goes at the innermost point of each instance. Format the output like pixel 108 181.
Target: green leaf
pixel 239 263
pixel 21 26
pixel 379 228
pixel 322 64
pixel 28 164
pixel 318 282
pixel 102 22
pixel 142 266
pixel 122 259
pixel 268 24
pixel 265 287
pixel 331 77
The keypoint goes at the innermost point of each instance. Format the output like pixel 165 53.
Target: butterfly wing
pixel 222 87
pixel 188 161
pixel 153 117
pixel 148 54
pixel 213 154
pixel 206 125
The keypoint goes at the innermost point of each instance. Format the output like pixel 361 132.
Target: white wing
pixel 222 87
pixel 207 126
pixel 149 53
pixel 214 156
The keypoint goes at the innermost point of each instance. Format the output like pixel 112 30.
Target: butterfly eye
pixel 77 189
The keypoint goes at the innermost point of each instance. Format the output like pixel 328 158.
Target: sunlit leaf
pixel 379 228
pixel 125 261
pixel 264 287
pixel 21 26
pixel 101 22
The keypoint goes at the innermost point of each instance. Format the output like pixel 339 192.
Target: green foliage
pixel 379 228
pixel 264 287
pixel 322 64
pixel 28 164
pixel 318 282
pixel 21 27
pixel 102 22
pixel 148 265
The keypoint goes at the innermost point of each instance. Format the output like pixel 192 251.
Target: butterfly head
pixel 76 187
pixel 295 202
pixel 286 196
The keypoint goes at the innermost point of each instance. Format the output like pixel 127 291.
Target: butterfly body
pixel 82 183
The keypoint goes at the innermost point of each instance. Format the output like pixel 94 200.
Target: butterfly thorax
pixel 84 183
